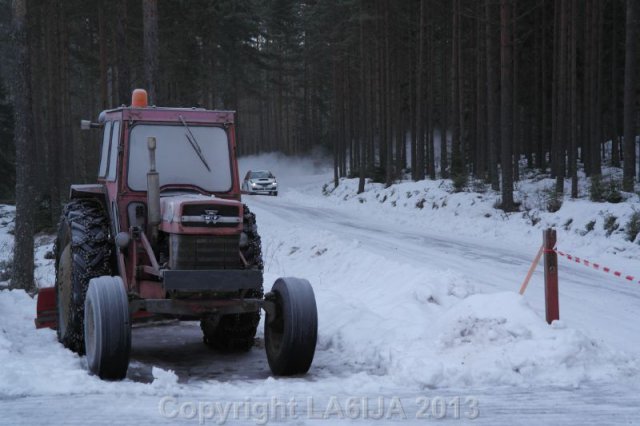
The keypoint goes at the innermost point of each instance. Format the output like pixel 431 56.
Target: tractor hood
pixel 188 213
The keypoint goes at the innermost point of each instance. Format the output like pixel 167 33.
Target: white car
pixel 260 182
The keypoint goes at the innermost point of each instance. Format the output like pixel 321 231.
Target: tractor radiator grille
pixel 200 209
pixel 204 252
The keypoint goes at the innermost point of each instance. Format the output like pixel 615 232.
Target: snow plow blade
pixel 47 312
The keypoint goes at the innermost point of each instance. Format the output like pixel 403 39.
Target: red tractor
pixel 164 234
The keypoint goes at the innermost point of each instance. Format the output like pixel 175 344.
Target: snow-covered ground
pixel 419 319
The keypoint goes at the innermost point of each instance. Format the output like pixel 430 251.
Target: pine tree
pixel 23 262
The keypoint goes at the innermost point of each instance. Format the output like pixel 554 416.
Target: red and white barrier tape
pixel 596 266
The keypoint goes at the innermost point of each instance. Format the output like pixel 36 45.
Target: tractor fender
pixel 92 190
pixel 98 192
pixel 95 190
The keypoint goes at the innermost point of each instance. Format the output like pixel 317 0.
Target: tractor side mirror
pixel 87 125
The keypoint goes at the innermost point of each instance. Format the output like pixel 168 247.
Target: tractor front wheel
pixel 107 328
pixel 290 333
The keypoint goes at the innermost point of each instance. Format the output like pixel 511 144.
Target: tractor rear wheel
pixel 83 251
pixel 107 328
pixel 236 332
pixel 290 333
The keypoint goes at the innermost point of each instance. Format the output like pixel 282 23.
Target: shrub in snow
pixel 633 226
pixel 600 192
pixel 553 200
pixel 610 224
pixel 458 174
pixel 567 224
pixel 378 174
pixel 596 190
pixel 613 194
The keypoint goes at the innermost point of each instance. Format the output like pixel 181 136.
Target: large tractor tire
pixel 291 332
pixel 236 333
pixel 107 328
pixel 83 251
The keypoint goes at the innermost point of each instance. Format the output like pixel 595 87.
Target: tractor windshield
pixel 176 161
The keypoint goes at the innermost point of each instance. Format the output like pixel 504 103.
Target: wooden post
pixel 552 306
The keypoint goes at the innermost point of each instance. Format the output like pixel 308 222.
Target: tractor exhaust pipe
pixel 153 194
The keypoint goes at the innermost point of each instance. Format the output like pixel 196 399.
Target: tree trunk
pixel 630 84
pixel 121 52
pixel 506 104
pixel 418 139
pixel 492 96
pixel 615 140
pixel 150 29
pixel 586 90
pixel 102 40
pixel 517 143
pixel 362 142
pixel 573 156
pixel 561 100
pixel 480 107
pixel 456 152
pixel 23 263
pixel 431 165
pixel 596 134
pixel 444 161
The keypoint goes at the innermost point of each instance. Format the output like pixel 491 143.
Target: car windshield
pixel 177 162
pixel 261 175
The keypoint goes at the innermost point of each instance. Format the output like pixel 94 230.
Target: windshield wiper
pixel 194 143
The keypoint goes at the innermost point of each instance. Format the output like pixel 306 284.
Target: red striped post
pixel 552 305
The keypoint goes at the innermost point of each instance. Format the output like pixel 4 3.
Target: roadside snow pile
pixel 390 319
pixel 499 339
pixel 32 362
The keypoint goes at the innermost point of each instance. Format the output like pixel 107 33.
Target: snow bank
pixel 32 362
pixel 430 328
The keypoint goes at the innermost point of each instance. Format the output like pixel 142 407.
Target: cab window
pixel 104 158
pixel 113 152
